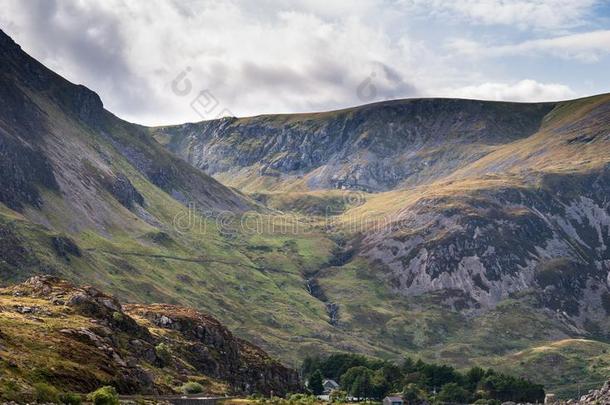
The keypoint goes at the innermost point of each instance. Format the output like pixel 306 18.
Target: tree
pixel 358 382
pixel 434 376
pixel 413 394
pixel 507 388
pixel 362 388
pixel 408 366
pixel 337 364
pixel 453 393
pixel 315 383
pixel 393 375
pixel 474 376
pixel 310 364
pixel 380 385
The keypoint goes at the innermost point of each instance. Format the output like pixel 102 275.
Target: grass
pixel 255 282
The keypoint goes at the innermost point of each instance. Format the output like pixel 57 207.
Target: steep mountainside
pixel 139 349
pixel 468 231
pixel 499 212
pixel 56 136
pixel 93 199
pixel 376 147
pixel 486 199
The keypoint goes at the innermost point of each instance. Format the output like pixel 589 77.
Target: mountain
pixel 377 147
pixel 140 349
pixel 92 199
pixel 498 212
pixel 481 200
pixel 468 232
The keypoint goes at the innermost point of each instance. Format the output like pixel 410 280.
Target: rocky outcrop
pixel 129 347
pixel 212 350
pixel 597 397
pixel 124 191
pixel 594 397
pixel 65 247
pixel 504 242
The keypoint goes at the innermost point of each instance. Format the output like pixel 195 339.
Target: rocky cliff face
pixel 482 202
pixel 500 243
pixel 139 349
pixel 485 236
pixel 374 148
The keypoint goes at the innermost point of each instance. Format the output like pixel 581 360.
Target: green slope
pixel 107 205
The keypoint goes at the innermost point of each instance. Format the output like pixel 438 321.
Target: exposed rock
pixel 124 344
pixel 594 397
pixel 503 242
pixel 213 350
pixel 86 301
pixel 122 189
pixel 598 397
pixel 374 147
pixel 65 246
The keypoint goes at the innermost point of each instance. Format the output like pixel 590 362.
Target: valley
pixel 457 231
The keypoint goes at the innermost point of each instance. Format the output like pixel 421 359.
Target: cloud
pixel 264 59
pixel 587 47
pixel 273 56
pixel 83 42
pixel 523 14
pixel 524 90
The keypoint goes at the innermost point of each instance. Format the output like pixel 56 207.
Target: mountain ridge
pixel 466 235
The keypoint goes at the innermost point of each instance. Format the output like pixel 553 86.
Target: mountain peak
pixel 19 67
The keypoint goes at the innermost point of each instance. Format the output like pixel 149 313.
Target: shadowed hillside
pixel 467 231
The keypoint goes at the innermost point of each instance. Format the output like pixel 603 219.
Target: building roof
pixel 331 382
pixel 394 398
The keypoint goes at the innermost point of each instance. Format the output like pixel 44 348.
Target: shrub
pixel 104 396
pixel 70 398
pixel 10 391
pixel 484 401
pixel 45 393
pixel 192 387
pixel 339 396
pixel 301 399
pixel 118 317
pixel 164 353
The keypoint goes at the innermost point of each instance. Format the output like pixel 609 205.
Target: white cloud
pixel 524 90
pixel 586 47
pixel 270 58
pixel 524 14
pixel 273 56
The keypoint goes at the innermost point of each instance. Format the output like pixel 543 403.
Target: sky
pixel 160 62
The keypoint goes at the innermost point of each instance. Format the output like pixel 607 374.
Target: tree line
pixel 417 381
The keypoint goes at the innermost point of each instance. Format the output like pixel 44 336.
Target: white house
pixel 393 401
pixel 330 386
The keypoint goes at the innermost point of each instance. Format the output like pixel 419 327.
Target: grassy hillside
pixel 489 239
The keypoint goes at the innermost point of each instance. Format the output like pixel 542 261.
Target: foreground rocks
pixel 595 397
pixel 79 338
pixel 598 397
